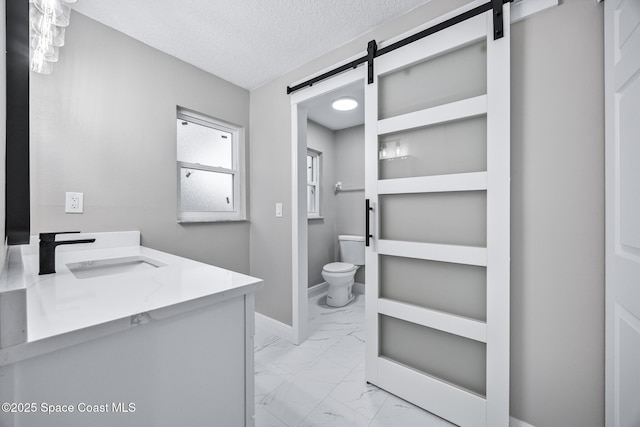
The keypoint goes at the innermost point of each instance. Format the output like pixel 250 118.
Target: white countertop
pixel 60 303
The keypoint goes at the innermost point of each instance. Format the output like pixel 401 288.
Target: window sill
pixel 204 221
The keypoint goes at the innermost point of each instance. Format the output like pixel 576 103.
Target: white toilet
pixel 339 275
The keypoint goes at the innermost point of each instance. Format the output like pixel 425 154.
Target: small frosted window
pixel 313 183
pixel 310 167
pixel 205 191
pixel 209 175
pixel 204 145
pixel 311 199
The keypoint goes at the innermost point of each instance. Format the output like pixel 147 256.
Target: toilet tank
pixel 351 249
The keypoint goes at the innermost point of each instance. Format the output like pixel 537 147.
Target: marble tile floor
pixel 321 382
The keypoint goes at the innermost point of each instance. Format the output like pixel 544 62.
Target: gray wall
pixel 343 160
pixel 322 232
pixel 557 351
pixel 557 240
pixel 271 184
pixel 103 123
pixel 350 170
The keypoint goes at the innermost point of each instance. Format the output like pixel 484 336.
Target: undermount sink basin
pixel 106 267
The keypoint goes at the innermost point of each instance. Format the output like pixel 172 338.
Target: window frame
pixel 237 170
pixel 316 183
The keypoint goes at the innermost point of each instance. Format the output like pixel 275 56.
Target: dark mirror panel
pixel 17 160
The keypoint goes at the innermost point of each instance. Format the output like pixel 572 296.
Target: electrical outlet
pixel 74 203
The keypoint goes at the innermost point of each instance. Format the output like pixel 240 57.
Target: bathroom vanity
pixel 125 335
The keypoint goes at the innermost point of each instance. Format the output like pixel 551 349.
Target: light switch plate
pixel 74 202
pixel 279 210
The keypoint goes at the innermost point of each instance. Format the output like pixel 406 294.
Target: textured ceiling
pixel 247 42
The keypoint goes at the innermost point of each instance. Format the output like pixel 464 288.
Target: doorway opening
pixel 327 186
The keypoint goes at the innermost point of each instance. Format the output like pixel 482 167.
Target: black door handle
pixel 367 233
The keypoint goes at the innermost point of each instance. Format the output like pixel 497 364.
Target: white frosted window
pixel 209 171
pixel 310 167
pixel 313 183
pixel 311 199
pixel 205 191
pixel 204 145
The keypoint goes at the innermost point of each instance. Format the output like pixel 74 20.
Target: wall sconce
pixel 47 22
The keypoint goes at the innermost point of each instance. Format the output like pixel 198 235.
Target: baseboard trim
pixel 514 422
pixel 275 327
pixel 315 290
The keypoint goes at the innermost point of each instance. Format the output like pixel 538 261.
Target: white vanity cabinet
pixel 183 363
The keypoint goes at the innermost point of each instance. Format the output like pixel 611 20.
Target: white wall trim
pixel 514 422
pixel 315 290
pixel 318 289
pixel 521 9
pixel 275 327
pixel 299 226
pixel 299 244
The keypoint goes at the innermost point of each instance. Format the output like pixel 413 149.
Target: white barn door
pixel 437 180
pixel 622 106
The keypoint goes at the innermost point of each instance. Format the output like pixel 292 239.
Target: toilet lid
pixel 338 267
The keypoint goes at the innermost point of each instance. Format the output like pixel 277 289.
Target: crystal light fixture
pixel 47 22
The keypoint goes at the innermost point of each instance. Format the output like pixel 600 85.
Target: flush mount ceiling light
pixel 344 104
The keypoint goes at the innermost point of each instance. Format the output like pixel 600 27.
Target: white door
pixel 437 181
pixel 622 109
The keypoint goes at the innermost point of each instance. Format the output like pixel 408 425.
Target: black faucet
pixel 48 246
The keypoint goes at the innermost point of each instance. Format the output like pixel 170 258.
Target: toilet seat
pixel 338 267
